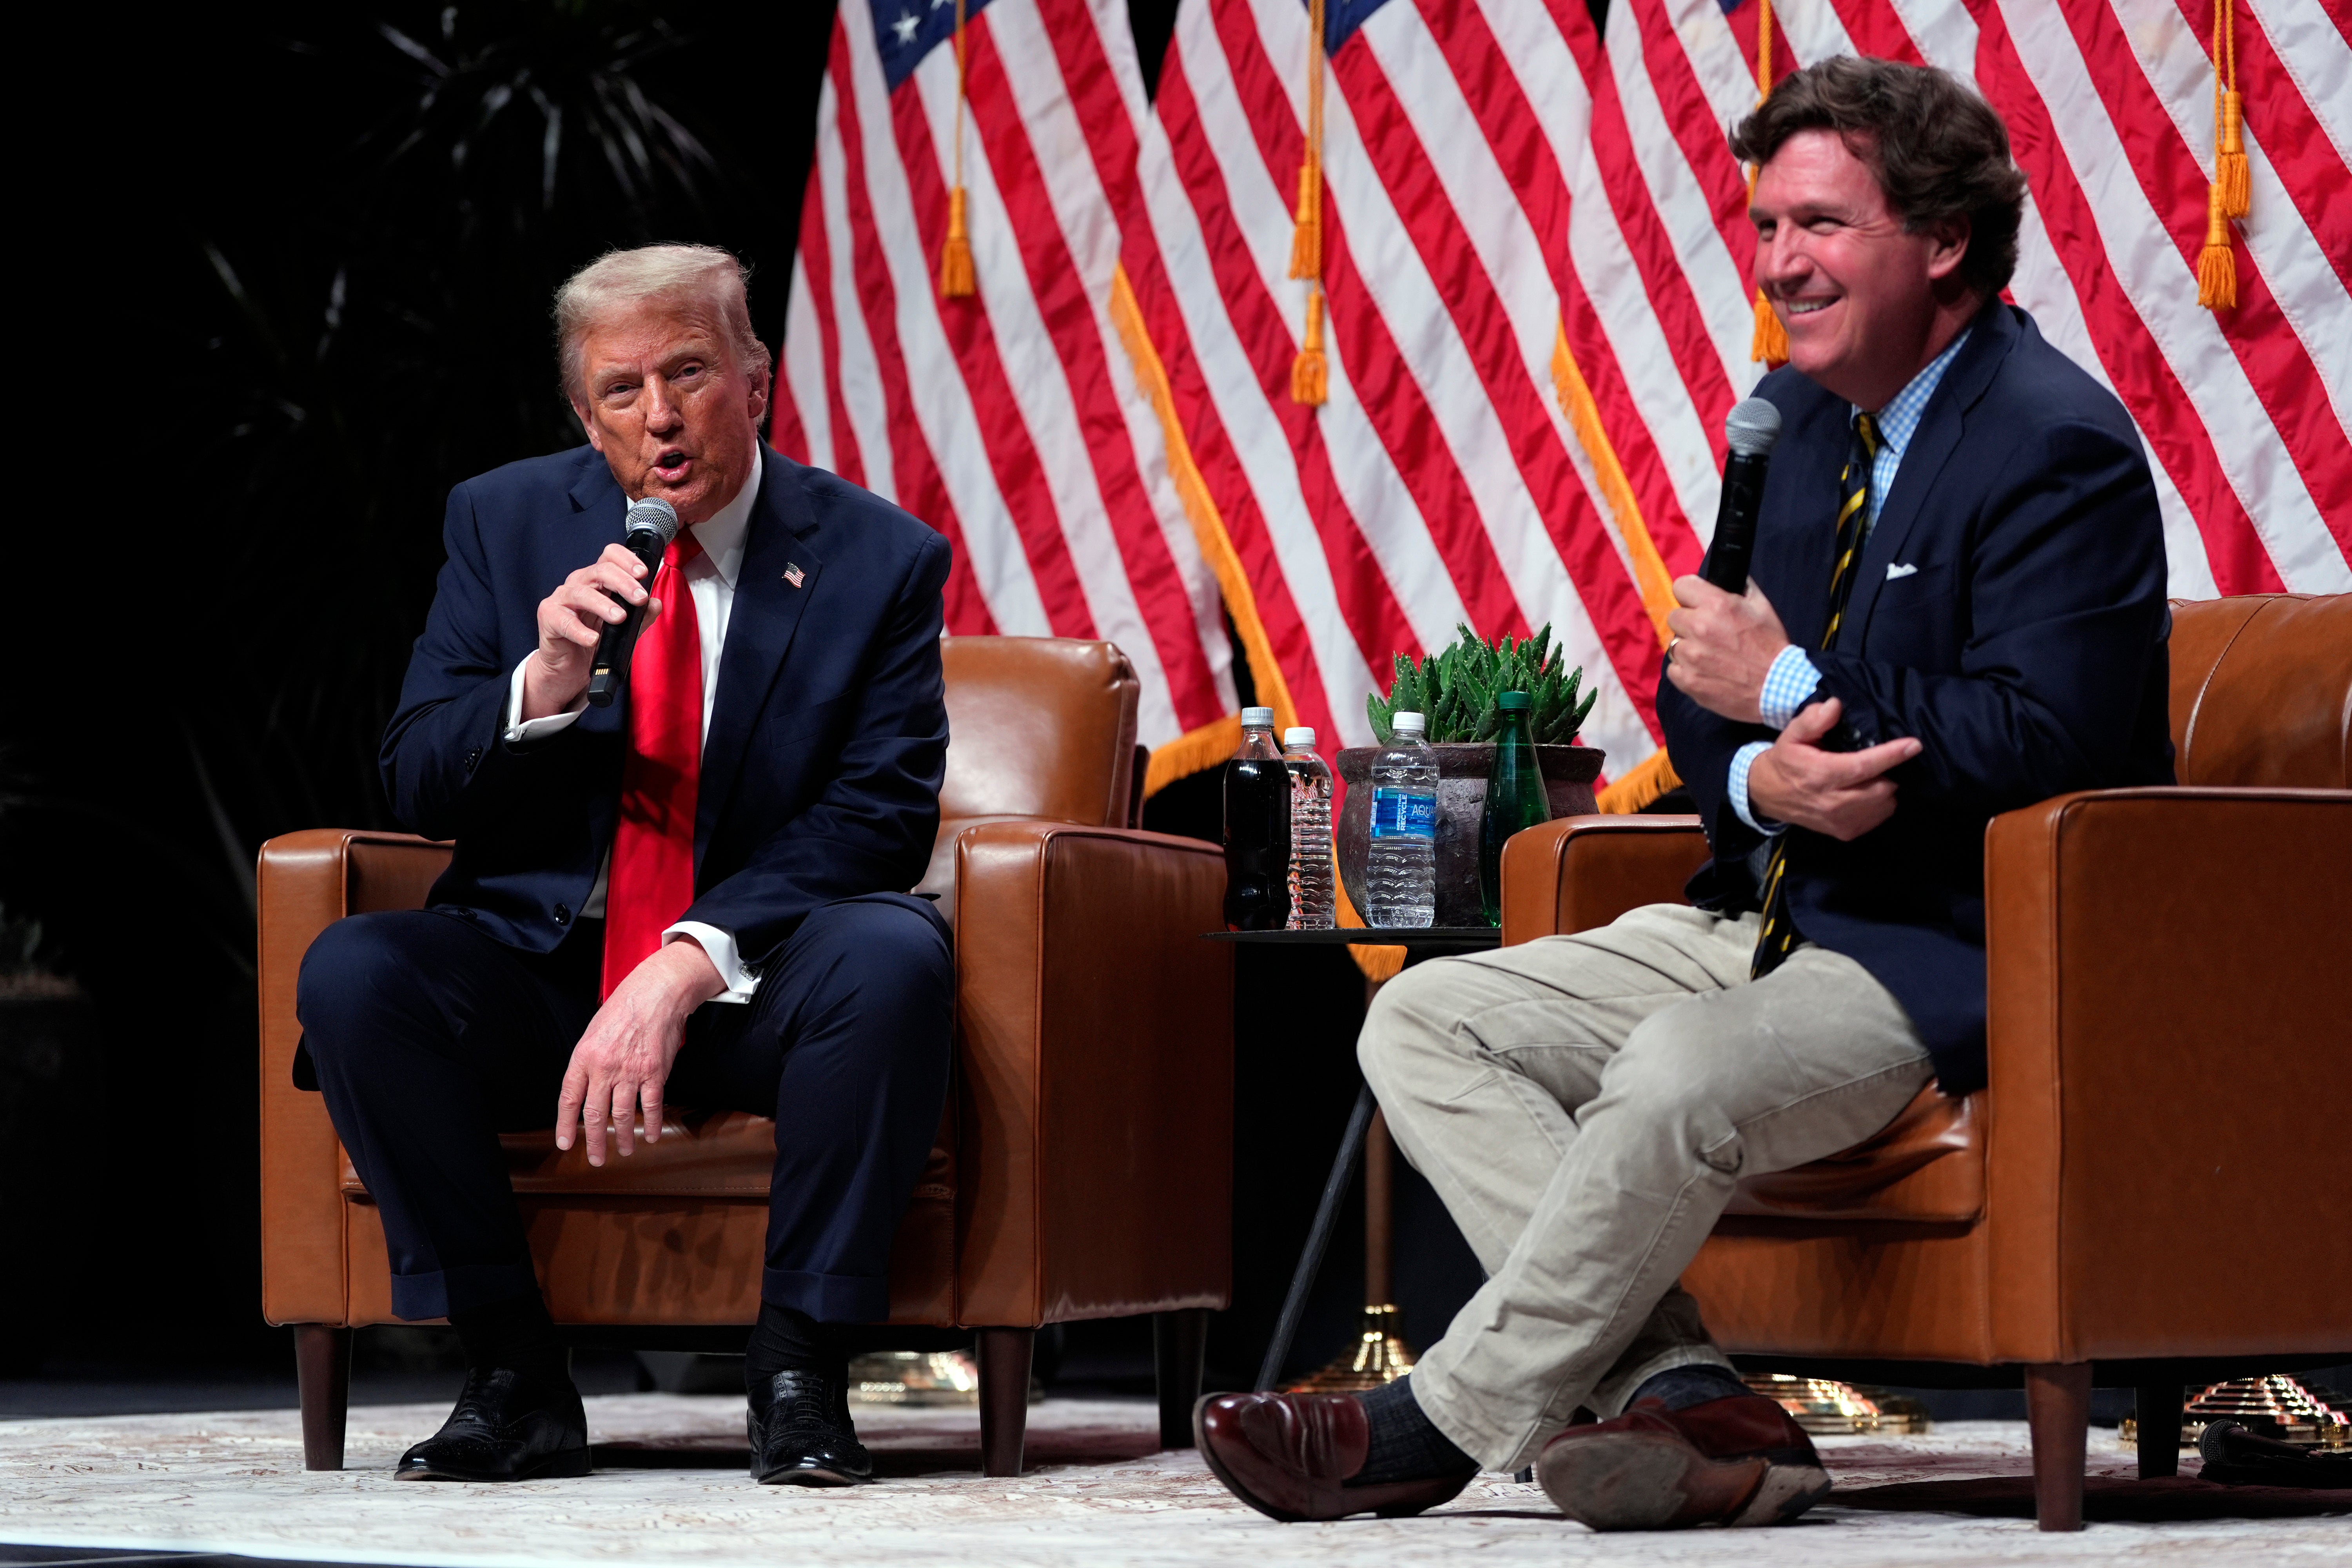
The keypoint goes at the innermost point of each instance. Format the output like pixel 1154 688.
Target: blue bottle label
pixel 1401 813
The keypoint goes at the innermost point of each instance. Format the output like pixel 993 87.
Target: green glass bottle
pixel 1515 800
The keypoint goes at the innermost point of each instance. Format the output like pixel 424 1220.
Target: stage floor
pixel 670 1489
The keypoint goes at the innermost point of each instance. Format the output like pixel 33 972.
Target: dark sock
pixel 784 1340
pixel 1683 1386
pixel 515 1334
pixel 1406 1445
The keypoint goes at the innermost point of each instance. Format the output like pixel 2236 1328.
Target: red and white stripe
pixel 1009 420
pixel 1440 483
pixel 2109 103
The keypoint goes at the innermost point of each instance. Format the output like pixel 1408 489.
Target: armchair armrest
pixel 2171 1038
pixel 1574 873
pixel 1095 1053
pixel 306 881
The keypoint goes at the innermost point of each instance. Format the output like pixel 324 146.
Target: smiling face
pixel 1867 303
pixel 668 406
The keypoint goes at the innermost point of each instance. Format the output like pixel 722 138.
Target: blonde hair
pixel 668 274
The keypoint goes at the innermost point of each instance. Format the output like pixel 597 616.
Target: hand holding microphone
pixel 589 624
pixel 1727 634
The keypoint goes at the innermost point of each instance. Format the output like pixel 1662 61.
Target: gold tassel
pixel 956 279
pixel 1310 379
pixel 2230 176
pixel 2217 267
pixel 1307 242
pixel 1770 344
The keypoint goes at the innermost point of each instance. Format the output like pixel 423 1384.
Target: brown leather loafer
pixel 1290 1456
pixel 1740 1459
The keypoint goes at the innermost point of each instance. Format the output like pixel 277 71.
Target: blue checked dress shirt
pixel 1793 679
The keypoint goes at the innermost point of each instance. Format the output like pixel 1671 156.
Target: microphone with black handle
pixel 1751 428
pixel 652 524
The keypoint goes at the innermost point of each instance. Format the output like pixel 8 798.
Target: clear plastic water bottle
pixel 1311 905
pixel 1257 829
pixel 1402 867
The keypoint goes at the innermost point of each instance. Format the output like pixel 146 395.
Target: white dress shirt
pixel 1790 684
pixel 710 578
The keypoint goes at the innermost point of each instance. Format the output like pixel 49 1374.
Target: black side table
pixel 1419 942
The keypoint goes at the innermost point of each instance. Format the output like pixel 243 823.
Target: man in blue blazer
pixel 698 894
pixel 1957 608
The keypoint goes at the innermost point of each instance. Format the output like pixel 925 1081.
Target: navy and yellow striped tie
pixel 1779 935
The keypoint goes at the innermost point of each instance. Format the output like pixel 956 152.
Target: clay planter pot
pixel 1462 775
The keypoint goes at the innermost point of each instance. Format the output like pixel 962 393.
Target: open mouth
pixel 670 466
pixel 1807 306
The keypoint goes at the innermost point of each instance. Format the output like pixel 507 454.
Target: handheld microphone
pixel 1751 428
pixel 652 524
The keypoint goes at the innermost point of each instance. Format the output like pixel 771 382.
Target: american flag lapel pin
pixel 793 575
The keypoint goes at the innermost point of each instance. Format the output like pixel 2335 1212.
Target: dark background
pixel 318 248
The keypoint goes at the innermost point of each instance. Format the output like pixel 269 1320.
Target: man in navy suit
pixel 1957 609
pixel 696 895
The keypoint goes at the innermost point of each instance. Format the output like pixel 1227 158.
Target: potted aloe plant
pixel 1455 689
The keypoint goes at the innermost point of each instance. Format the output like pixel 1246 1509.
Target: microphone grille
pixel 1751 427
pixel 654 515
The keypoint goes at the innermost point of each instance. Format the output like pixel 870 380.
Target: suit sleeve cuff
pixel 519 732
pixel 719 946
pixel 1788 686
pixel 1735 786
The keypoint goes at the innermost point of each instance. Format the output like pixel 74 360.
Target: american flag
pixel 1533 300
pixel 1537 267
pixel 1009 418
pixel 1442 481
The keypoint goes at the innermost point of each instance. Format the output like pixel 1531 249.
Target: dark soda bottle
pixel 1257 829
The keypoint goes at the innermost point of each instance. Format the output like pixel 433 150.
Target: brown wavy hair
pixel 1938 150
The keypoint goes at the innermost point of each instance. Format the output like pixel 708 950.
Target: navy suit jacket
pixel 820 771
pixel 2025 649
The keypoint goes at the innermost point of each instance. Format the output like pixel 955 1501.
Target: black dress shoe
pixel 507 1426
pixel 801 1434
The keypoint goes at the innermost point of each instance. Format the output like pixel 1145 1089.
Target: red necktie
pixel 652 880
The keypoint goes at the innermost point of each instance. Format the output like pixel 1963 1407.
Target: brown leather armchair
pixel 2131 1201
pixel 1083 1168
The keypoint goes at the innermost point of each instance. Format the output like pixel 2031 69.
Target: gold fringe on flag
pixel 2230 176
pixel 1770 344
pixel 1641 785
pixel 1216 546
pixel 957 278
pixel 1192 752
pixel 1650 578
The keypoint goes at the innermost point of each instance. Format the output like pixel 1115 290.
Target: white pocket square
pixel 1893 571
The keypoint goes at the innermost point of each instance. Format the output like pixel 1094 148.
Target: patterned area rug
pixel 670 1489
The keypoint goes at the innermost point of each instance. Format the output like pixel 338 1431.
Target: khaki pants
pixel 1584 1105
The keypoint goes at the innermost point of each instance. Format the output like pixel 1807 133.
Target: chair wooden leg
pixel 1004 1356
pixel 1179 1344
pixel 2160 1405
pixel 322 1371
pixel 2058 1409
